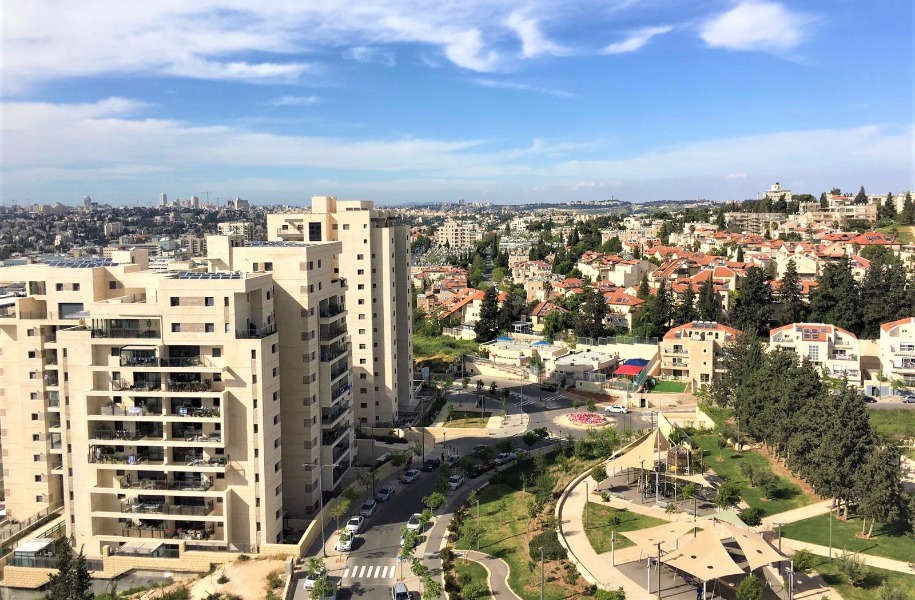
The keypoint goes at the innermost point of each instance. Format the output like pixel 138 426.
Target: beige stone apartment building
pixel 149 403
pixel 897 350
pixel 692 351
pixel 242 228
pixel 375 261
pixel 457 234
pixel 832 349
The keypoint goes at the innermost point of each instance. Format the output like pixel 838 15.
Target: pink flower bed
pixel 586 418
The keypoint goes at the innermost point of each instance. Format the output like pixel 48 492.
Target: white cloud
pixel 522 87
pixel 296 101
pixel 636 40
pixel 207 69
pixel 735 177
pixel 755 25
pixel 368 54
pixel 533 42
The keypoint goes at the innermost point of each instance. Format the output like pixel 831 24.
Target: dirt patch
pixel 782 471
pixel 247 579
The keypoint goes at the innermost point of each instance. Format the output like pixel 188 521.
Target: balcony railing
pixel 126 333
pixel 332 415
pixel 331 311
pixel 330 437
pixel 329 355
pixel 254 333
pixel 141 386
pixel 162 484
pixel 339 370
pixel 190 386
pixel 161 508
pixel 340 391
pixel 130 411
pixel 122 434
pixel 334 332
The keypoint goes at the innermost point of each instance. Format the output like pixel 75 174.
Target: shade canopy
pixel 641 362
pixel 645 453
pixel 628 370
pixel 666 534
pixel 757 551
pixel 705 557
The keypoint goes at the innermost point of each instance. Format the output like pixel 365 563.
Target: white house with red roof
pixel 833 349
pixel 692 352
pixel 897 350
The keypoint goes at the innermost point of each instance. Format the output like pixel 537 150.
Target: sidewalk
pixel 498 572
pixel 879 562
pixel 798 514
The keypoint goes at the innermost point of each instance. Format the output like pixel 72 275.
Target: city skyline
pixel 493 102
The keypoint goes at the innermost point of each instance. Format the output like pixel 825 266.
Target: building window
pixel 268 266
pixel 274 371
pixel 34 416
pixel 209 301
pixel 209 328
pixel 176 327
pixel 59 287
pixel 217 352
pixel 75 287
pixel 813 353
pixel 346 227
pixel 175 301
pixel 360 256
pixel 314 232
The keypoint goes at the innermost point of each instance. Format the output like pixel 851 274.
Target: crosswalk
pixel 359 572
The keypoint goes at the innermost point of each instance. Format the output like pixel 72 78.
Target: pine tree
pixel 835 298
pixel 72 580
pixel 708 301
pixel 907 215
pixel 644 290
pixel 861 196
pixel 793 308
pixel 753 305
pixel 824 200
pixel 573 237
pixel 686 306
pixel 879 488
pixel 740 254
pixel 488 326
pixel 589 322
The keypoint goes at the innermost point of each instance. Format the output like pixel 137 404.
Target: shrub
pixel 181 593
pixel 752 516
pixel 751 588
pixel 852 567
pixel 244 558
pixel 803 560
pixel 617 594
pixel 605 496
pixel 275 580
pixel 599 473
pixel 222 579
pixel 549 541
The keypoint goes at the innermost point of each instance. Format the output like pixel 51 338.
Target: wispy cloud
pixel 296 101
pixel 636 40
pixel 522 87
pixel 756 25
pixel 735 176
pixel 533 42
pixel 242 71
pixel 369 54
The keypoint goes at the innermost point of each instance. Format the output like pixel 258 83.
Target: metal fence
pixel 620 339
pixel 11 529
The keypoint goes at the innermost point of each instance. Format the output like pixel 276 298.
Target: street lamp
pixel 541 573
pixel 478 525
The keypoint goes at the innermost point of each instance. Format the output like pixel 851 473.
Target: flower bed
pixel 586 418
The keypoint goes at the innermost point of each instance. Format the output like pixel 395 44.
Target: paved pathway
pixel 797 514
pixel 498 573
pixel 880 562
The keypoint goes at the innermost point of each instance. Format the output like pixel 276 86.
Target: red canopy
pixel 629 370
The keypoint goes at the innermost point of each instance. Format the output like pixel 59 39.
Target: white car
pixel 345 543
pixel 311 578
pixel 354 525
pixel 368 508
pixel 504 457
pixel 455 481
pixel 410 476
pixel 400 592
pixel 414 523
pixel 617 408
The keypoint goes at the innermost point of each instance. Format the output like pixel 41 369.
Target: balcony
pixel 162 508
pixel 340 450
pixel 329 417
pixel 342 389
pixel 331 311
pixel 255 333
pixel 331 354
pixel 147 433
pixel 682 351
pixel 196 484
pixel 127 333
pixel 190 386
pixel 329 438
pixel 337 371
pixel 116 410
pixel 149 385
pixel 341 282
pixel 332 333
pixel 842 356
pixel 170 533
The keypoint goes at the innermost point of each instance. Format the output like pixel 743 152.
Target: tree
pixel 753 305
pixel 793 308
pixel 739 257
pixel 879 488
pixel 686 306
pixel 907 214
pixel 72 580
pixel 591 405
pixel 861 197
pixel 728 494
pixel 644 289
pixel 708 301
pixel 589 322
pixel 852 566
pixel 835 299
pixel 487 327
pixel 340 509
pixel 613 246
pixel 751 588
pixel 598 473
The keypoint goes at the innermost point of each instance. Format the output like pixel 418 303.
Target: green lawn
pixel 896 424
pixel 506 531
pixel 729 468
pixel 815 530
pixel 469 573
pixel 676 387
pixel 599 528
pixel 471 419
pixel 438 353
pixel 904 233
pixel 831 575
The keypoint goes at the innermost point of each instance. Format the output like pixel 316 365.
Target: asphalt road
pixel 891 404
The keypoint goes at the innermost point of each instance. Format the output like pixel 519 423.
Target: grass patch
pixel 718 414
pixel 470 573
pixel 815 530
pixel 467 418
pixel 439 353
pixel 893 424
pixel 729 468
pixel 829 570
pixel 599 526
pixel 674 387
pixel 507 528
pixel 904 233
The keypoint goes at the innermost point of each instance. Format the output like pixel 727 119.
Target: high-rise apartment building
pixel 242 228
pixel 375 261
pixel 457 235
pixel 149 403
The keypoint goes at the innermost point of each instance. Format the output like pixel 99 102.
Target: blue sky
pixel 426 101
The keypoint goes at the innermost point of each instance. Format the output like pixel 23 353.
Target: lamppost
pixel 478 525
pixel 830 532
pixel 659 570
pixel 541 573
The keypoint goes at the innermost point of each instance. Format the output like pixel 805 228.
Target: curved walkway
pixel 498 572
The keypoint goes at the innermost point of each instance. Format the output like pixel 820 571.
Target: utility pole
pixel 478 525
pixel 541 573
pixel 659 570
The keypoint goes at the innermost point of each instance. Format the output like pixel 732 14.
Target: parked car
pixel 385 493
pixel 475 471
pixel 354 525
pixel 431 464
pixel 504 457
pixel 908 399
pixel 368 508
pixel 311 578
pixel 455 481
pixel 490 465
pixel 331 591
pixel 548 387
pixel 410 476
pixel 400 592
pixel 453 460
pixel 414 524
pixel 345 542
pixel 478 450
pixel 617 408
pixel 869 399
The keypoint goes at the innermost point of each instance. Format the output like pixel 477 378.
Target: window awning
pixel 136 347
pixel 636 361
